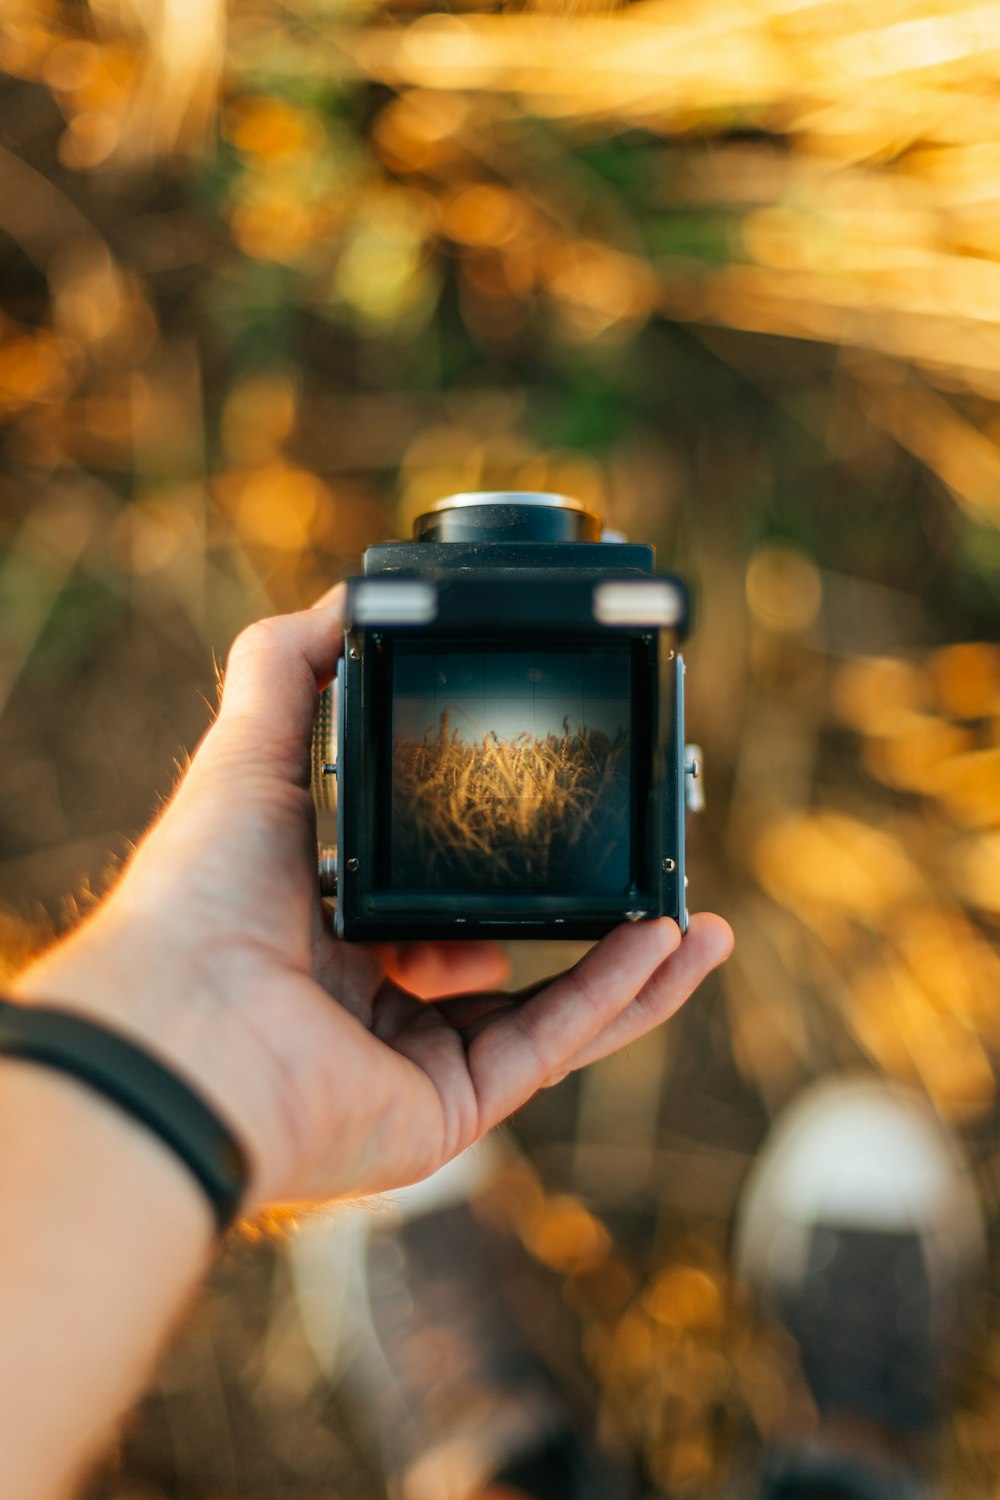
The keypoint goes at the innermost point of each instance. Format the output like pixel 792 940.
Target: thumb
pixel 273 676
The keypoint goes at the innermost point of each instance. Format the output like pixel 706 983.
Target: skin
pixel 344 1070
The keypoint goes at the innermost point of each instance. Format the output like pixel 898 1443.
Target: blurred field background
pixel 274 277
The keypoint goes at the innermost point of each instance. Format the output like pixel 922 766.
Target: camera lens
pixel 508 516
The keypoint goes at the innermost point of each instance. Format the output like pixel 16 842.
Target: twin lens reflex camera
pixel 502 751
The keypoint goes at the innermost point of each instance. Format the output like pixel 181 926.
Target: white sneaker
pixel 860 1229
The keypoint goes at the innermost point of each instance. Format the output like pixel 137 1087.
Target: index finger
pixel 511 1057
pixel 707 943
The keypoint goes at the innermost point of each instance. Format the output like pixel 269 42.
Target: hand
pixel 216 950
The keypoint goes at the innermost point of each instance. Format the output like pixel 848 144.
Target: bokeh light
pixel 277 277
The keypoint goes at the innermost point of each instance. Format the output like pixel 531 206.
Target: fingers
pixel 525 1047
pixel 274 672
pixel 707 943
pixel 355 973
pixel 434 970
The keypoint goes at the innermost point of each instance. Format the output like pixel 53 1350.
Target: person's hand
pixel 216 950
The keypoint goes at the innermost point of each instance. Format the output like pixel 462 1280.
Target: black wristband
pixel 140 1084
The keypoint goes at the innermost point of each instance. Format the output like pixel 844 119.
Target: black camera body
pixel 503 748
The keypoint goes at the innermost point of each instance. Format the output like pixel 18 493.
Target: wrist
pixel 142 1087
pixel 66 1142
pixel 119 974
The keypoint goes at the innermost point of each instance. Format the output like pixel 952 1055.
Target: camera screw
pixel 354 654
pixel 668 865
pixel 354 865
pixel 329 768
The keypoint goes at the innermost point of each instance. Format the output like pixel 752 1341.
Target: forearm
pixel 103 1237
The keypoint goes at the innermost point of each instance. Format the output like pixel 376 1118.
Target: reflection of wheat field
pixel 510 812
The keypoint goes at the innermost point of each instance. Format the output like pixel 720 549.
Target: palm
pixel 406 1096
pixel 400 1084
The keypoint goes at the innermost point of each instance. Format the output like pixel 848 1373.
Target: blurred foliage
pixel 275 277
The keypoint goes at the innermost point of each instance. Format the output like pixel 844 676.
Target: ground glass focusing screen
pixel 511 769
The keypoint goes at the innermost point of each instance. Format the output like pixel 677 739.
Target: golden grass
pixel 502 812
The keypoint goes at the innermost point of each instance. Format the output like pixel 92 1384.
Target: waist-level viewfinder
pixel 502 751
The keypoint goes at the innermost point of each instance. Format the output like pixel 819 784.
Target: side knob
pixel 694 786
pixel 326 859
pixel 324 754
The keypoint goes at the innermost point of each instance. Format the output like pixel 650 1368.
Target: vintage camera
pixel 502 752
